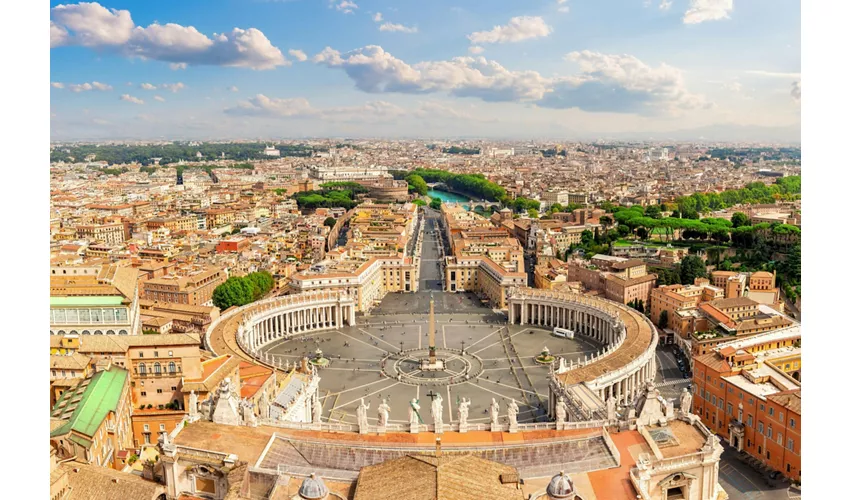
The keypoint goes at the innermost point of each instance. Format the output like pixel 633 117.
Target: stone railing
pixel 611 446
pixel 212 455
pixel 447 427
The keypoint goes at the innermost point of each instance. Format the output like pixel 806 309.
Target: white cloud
pixel 378 17
pixel 733 86
pixel 563 7
pixel 147 86
pixel 94 26
pixel 174 87
pixel 129 98
pixel 158 98
pixel 476 49
pixel 393 27
pixel 707 10
pixel 517 29
pixel 622 83
pixel 85 87
pixel 375 71
pixel 665 4
pixel 177 66
pixel 233 88
pixel 344 6
pixel 299 55
pixel 796 91
pixel 57 85
pixel 774 74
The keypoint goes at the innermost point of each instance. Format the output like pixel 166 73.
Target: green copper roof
pixel 86 301
pixel 90 401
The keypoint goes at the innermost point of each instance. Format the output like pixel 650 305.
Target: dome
pixel 313 488
pixel 561 486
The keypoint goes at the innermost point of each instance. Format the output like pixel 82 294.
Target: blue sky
pixel 562 69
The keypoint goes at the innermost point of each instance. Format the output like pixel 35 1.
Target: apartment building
pixel 112 234
pixel 94 300
pixel 194 288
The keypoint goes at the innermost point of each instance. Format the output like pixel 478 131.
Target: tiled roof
pixel 88 404
pixel 89 481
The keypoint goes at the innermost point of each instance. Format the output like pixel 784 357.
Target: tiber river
pixel 449 197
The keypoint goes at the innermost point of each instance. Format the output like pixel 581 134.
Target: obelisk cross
pixel 432 345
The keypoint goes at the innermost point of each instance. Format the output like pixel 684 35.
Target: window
pixel 141 354
pixel 768 454
pixel 761 428
pixel 769 432
pixel 147 428
pixel 53 372
pixel 159 391
pixel 156 354
pixel 781 416
pixel 761 407
pixel 162 427
pixel 750 401
pixel 770 411
pixel 170 353
pixel 144 393
pixel 729 408
pixel 721 404
pixel 791 422
pixel 143 370
pixel 790 444
pixel 741 395
pixel 779 439
pixel 173 388
pixel 172 367
pixel 722 386
pixel 157 369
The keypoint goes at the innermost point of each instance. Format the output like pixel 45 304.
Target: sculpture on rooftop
pixel 383 413
pixel 193 405
pixel 685 402
pixel 463 411
pixel 362 418
pixel 494 414
pixel 513 410
pixel 611 408
pixel 560 413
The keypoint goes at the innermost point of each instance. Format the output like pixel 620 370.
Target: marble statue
pixel 560 412
pixel 413 412
pixel 263 405
pixel 463 411
pixel 513 410
pixel 383 413
pixel 193 405
pixel 437 409
pixel 611 407
pixel 494 414
pixel 362 419
pixel 317 411
pixel 206 408
pixel 685 401
pixel 248 417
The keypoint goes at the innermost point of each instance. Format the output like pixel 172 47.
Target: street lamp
pixel 462 343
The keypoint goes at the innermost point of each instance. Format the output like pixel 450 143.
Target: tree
pixel 280 191
pixel 416 184
pixel 586 237
pixel 691 268
pixel 662 320
pixel 436 203
pixel 419 203
pixel 653 211
pixel 556 207
pixel 330 222
pixel 533 213
pixel 740 219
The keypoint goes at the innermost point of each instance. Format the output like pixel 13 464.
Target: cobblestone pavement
pixel 742 482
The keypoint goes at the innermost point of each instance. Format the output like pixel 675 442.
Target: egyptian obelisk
pixel 432 341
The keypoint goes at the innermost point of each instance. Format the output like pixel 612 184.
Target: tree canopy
pixel 241 290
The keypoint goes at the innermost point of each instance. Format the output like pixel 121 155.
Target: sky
pixel 724 70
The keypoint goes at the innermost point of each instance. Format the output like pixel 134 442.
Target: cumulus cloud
pixel 299 55
pixel 517 29
pixel 622 83
pixel 344 6
pixel 94 26
pixel 665 5
pixel 563 7
pixel 707 10
pixel 374 70
pixel 177 66
pixel 159 98
pixel 796 91
pixel 174 87
pixel 129 98
pixel 733 86
pixel 378 17
pixel 476 49
pixel 147 86
pixel 400 28
pixel 233 88
pixel 85 87
pixel 57 85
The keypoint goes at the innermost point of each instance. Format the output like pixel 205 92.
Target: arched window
pixel 143 370
pixel 73 332
pixel 157 369
pixel 60 332
pixel 122 332
pixel 86 332
pixel 110 332
pixel 98 332
pixel 172 367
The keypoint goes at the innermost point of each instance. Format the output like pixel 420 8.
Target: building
pixel 748 392
pixel 347 173
pixel 111 234
pixel 79 481
pixel 194 288
pixel 622 280
pixel 94 300
pixel 675 303
pixel 91 421
pixel 271 151
pixel 183 318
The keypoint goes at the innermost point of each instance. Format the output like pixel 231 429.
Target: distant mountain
pixel 721 133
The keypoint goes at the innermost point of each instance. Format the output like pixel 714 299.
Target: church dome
pixel 313 488
pixel 561 487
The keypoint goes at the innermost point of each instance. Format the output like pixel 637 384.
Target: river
pixel 449 197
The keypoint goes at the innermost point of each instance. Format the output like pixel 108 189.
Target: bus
pixel 563 333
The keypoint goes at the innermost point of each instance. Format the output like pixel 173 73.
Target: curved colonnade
pixel 257 324
pixel 618 371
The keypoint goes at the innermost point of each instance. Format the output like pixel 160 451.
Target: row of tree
pixel 241 290
pixel 475 185
pixel 785 188
pixel 172 153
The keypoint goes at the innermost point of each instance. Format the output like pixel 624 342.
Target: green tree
pixel 653 211
pixel 416 184
pixel 330 222
pixel 419 203
pixel 556 207
pixel 533 213
pixel 662 320
pixel 740 219
pixel 691 268
pixel 436 203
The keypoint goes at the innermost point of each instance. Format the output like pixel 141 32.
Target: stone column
pixel 351 320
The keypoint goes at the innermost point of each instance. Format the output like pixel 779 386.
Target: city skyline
pixel 713 70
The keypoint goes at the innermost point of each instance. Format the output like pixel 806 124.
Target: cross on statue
pixel 431 395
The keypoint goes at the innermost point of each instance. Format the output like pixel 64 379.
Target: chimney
pixel 439 452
